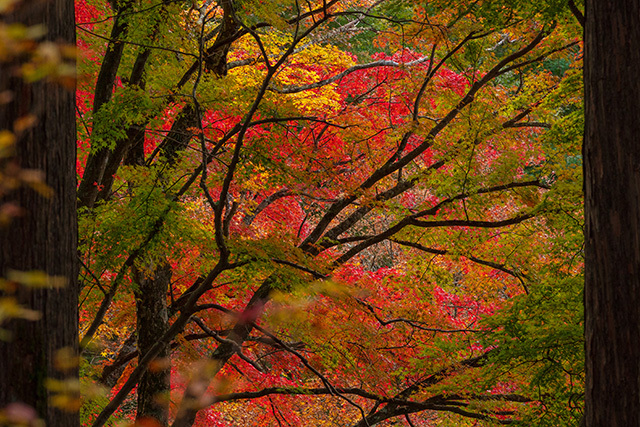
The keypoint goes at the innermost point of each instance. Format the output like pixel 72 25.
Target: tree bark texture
pixel 153 322
pixel 612 213
pixel 97 160
pixel 44 236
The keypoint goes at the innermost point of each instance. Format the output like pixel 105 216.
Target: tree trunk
pixel 44 237
pixel 97 160
pixel 153 322
pixel 612 213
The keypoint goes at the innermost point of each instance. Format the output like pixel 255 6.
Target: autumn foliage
pixel 329 213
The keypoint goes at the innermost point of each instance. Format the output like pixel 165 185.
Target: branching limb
pixel 495 265
pixel 394 163
pixel 210 332
pixel 296 391
pixel 143 362
pixel 411 220
pixel 248 219
pixel 413 323
pixel 308 365
pixel 93 276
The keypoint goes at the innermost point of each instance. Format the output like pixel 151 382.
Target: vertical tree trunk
pixel 612 210
pixel 97 160
pixel 153 322
pixel 44 237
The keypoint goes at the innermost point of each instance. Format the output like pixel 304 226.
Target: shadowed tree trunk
pixel 612 210
pixel 44 236
pixel 153 322
pixel 98 159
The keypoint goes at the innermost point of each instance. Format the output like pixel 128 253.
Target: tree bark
pixel 153 322
pixel 44 237
pixel 612 213
pixel 98 159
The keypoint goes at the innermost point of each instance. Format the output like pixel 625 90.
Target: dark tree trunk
pixel 132 147
pixel 612 211
pixel 44 237
pixel 97 160
pixel 153 322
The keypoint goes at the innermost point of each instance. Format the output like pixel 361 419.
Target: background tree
pixel 612 235
pixel 38 242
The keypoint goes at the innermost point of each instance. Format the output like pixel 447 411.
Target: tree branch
pixel 576 12
pixel 495 265
pixel 470 223
pixel 413 323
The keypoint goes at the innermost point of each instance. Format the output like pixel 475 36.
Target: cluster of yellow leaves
pixel 310 63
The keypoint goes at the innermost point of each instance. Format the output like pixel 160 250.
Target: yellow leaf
pixel 36 279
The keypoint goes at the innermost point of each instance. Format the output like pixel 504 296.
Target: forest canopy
pixel 337 212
